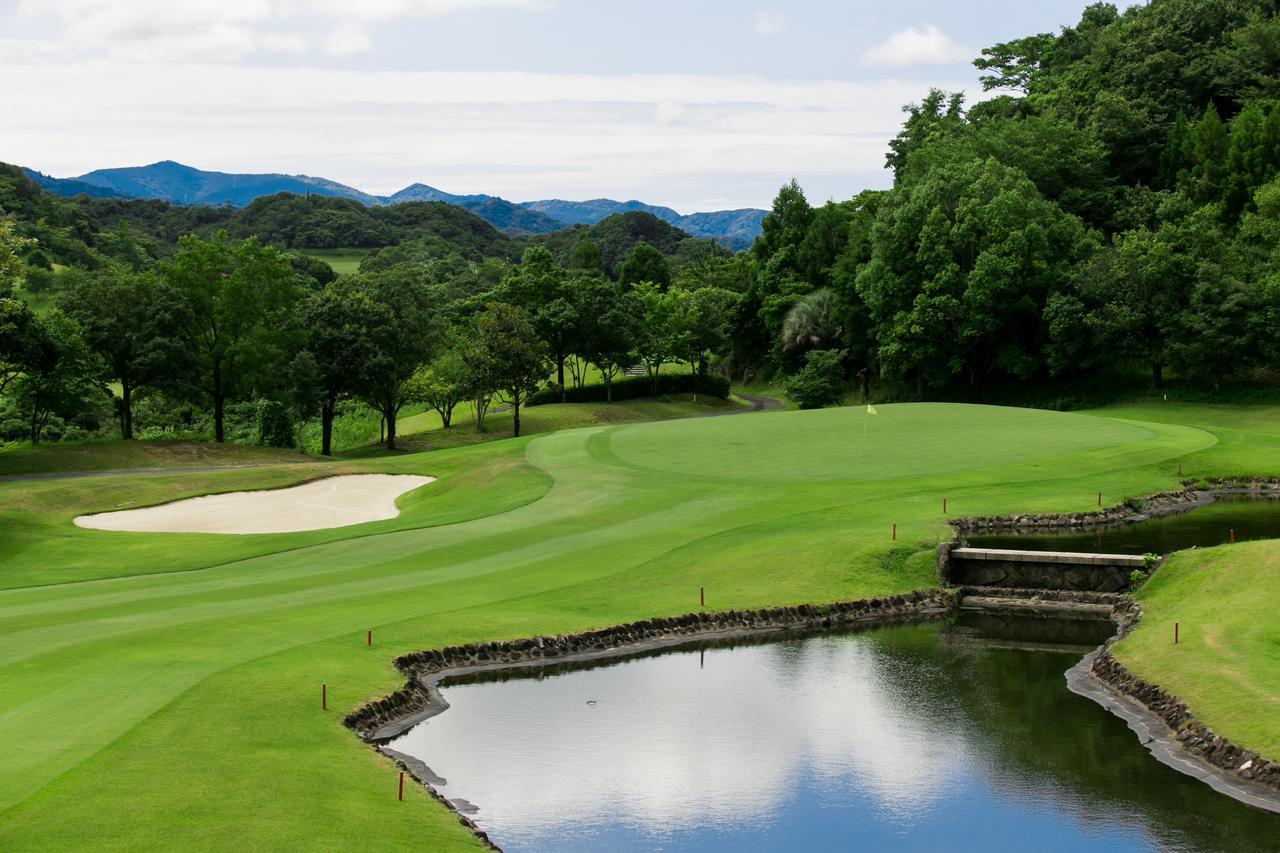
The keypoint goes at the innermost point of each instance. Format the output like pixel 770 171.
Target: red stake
pixel 400 796
pixel 895 530
pixel 368 639
pixel 1175 633
pixel 324 697
pixel 1232 536
pixel 702 596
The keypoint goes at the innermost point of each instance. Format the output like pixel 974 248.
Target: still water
pixel 1251 517
pixel 957 735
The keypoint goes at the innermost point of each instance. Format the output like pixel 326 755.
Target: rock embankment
pixel 1161 503
pixel 414 697
pixel 1191 736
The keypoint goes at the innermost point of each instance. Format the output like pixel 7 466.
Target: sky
pixel 696 104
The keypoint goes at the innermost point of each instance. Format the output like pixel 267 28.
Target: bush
pixel 275 424
pixel 634 387
pixel 821 381
pixel 1137 578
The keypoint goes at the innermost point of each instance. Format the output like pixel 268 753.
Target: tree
pixel 608 325
pixel 820 382
pixel 1013 64
pixel 135 323
pixel 240 298
pixel 658 337
pixel 586 257
pixel 540 286
pixel 645 263
pixel 786 224
pixel 12 245
pixel 511 356
pixel 937 116
pixel 706 321
pixel 963 262
pixel 446 384
pixel 812 322
pixel 340 340
pixel 305 390
pixel 57 375
pixel 404 327
pixel 20 339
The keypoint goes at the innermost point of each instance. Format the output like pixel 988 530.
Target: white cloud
pixel 736 138
pixel 768 23
pixel 923 45
pixel 347 40
pixel 228 30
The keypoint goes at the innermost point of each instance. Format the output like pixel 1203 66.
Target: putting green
pixel 906 440
pixel 162 690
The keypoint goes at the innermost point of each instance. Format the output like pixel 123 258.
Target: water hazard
pixel 1250 516
pixel 958 735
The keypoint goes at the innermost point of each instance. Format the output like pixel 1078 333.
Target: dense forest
pixel 1110 207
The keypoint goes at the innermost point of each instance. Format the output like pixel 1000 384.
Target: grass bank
pixel 162 691
pixel 1226 664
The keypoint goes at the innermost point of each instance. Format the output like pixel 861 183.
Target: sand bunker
pixel 331 502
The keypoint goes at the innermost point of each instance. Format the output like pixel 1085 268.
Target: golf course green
pixel 164 690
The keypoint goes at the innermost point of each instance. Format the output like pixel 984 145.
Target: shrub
pixel 634 387
pixel 820 382
pixel 1137 578
pixel 275 424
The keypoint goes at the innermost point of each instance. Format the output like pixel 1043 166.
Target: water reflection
pixel 957 736
pixel 1250 516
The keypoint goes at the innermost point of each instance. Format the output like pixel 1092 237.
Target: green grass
pixel 1226 665
pixel 343 261
pixel 161 691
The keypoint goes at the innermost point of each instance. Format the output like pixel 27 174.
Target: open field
pixel 1226 665
pixel 162 690
pixel 343 261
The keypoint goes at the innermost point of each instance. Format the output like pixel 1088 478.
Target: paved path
pixel 758 404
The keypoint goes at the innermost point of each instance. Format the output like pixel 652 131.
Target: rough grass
pixel 109 455
pixel 169 696
pixel 343 261
pixel 1226 665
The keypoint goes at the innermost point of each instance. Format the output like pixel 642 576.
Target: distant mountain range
pixel 179 184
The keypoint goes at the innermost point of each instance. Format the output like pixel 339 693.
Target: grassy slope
pixel 113 455
pixel 194 695
pixel 1226 665
pixel 343 261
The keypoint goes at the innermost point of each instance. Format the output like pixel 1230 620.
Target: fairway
pixel 182 671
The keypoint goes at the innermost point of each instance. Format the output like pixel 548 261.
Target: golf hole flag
pixel 871 410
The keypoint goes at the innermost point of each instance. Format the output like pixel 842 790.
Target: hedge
pixel 633 387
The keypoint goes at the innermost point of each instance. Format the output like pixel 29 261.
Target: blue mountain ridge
pixel 180 184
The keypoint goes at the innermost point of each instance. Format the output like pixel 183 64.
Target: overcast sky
pixel 698 104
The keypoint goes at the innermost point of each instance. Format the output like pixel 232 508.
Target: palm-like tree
pixel 811 322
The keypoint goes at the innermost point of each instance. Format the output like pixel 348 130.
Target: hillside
pixel 176 183
pixel 616 235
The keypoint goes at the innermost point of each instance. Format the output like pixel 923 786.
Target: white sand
pixel 331 502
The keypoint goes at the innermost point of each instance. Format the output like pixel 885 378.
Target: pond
pixel 1251 516
pixel 959 735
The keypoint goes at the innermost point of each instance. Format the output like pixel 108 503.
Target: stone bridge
pixel 995 567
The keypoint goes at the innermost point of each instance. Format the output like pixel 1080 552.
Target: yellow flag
pixel 871 410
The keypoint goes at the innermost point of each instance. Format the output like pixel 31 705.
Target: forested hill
pixel 180 184
pixel 617 235
pixel 89 232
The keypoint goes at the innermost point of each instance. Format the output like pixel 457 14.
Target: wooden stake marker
pixel 1099 498
pixel 1175 633
pixel 895 531
pixel 702 596
pixel 400 795
pixel 368 638
pixel 944 506
pixel 324 697
pixel 1231 536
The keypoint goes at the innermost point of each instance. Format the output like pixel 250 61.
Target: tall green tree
pixel 511 355
pixel 340 338
pixel 645 263
pixel 57 375
pixel 405 327
pixel 135 323
pixel 240 298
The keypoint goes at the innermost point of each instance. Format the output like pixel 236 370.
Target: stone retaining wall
pixel 1161 503
pixel 1196 739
